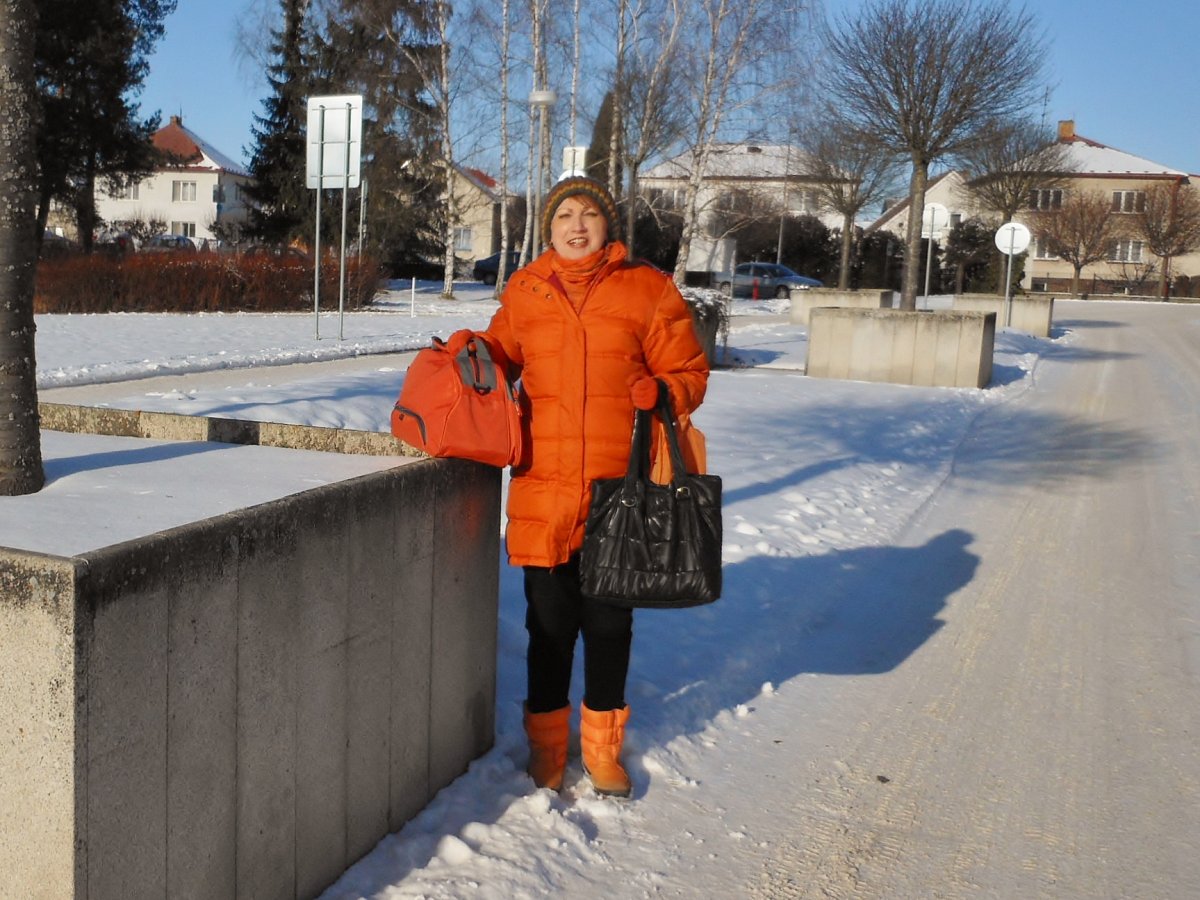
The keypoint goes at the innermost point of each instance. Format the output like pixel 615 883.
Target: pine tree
pixel 281 209
pixel 372 47
pixel 91 57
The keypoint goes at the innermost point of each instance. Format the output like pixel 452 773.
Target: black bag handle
pixel 639 451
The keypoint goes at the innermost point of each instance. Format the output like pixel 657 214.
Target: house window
pixel 183 191
pixel 1125 251
pixel 126 192
pixel 218 193
pixel 187 229
pixel 1129 201
pixel 1045 198
pixel 462 239
pixel 1041 249
pixel 804 201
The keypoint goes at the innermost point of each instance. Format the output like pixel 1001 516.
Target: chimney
pixel 1066 129
pixel 178 120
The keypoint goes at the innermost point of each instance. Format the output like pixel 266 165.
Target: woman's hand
pixel 643 390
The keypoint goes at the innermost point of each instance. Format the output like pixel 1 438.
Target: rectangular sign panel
pixel 334 141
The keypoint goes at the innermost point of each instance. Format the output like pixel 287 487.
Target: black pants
pixel 556 614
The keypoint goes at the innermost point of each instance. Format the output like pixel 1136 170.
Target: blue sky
pixel 1126 73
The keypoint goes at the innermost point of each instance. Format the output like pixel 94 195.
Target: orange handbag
pixel 457 401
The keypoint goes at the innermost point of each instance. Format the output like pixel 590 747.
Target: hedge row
pixel 195 282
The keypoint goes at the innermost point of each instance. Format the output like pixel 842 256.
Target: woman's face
pixel 578 228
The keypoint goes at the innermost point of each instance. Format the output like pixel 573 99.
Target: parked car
pixel 488 268
pixel 162 243
pixel 760 279
pixel 285 251
pixel 54 245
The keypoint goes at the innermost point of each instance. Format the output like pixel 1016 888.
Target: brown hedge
pixel 195 282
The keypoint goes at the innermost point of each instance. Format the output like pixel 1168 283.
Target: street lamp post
pixel 540 100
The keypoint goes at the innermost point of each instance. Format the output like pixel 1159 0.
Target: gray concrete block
pixel 1028 313
pixel 930 348
pixel 412 649
pixel 371 571
pixel 463 703
pixel 245 705
pixel 126 760
pixel 41 789
pixel 268 592
pixel 202 624
pixel 803 302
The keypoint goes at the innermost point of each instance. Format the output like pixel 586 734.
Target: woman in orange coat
pixel 591 334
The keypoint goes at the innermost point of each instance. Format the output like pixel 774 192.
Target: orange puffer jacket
pixel 575 369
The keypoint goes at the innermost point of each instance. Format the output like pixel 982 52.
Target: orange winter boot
pixel 601 736
pixel 547 733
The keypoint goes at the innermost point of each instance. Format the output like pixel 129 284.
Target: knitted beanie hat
pixel 593 190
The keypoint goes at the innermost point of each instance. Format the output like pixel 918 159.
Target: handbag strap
pixel 475 366
pixel 639 450
pixel 667 416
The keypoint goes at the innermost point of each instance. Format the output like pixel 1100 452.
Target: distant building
pixel 776 173
pixel 196 189
pixel 1093 166
pixel 477 198
pixel 1124 177
pixel 946 189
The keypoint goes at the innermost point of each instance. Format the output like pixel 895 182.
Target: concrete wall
pixel 940 349
pixel 1030 314
pixel 242 707
pixel 803 302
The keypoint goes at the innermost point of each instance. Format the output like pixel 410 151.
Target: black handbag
pixel 648 544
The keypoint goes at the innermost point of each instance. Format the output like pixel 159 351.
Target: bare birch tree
pixel 21 470
pixel 1169 224
pixel 1081 231
pixel 505 34
pixel 652 118
pixel 724 52
pixel 925 78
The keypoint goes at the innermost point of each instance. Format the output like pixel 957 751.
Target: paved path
pixel 1044 742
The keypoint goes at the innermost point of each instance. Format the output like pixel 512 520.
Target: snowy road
pixel 1043 743
pixel 997 696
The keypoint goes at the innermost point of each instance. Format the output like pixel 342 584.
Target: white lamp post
pixel 540 100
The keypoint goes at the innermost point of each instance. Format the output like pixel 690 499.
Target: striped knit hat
pixel 594 191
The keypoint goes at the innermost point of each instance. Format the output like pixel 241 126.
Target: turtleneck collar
pixel 577 275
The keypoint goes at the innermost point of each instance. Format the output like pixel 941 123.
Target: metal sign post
pixel 933 220
pixel 1011 238
pixel 333 159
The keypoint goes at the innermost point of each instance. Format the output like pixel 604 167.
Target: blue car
pixel 760 279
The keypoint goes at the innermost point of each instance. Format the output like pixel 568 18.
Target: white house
pixel 772 172
pixel 197 189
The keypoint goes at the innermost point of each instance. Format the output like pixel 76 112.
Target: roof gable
pixel 1089 157
pixel 191 150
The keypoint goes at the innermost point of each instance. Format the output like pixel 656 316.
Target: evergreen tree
pixel 91 58
pixel 351 49
pixel 281 204
pixel 371 47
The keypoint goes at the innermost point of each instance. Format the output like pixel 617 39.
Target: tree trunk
pixel 847 242
pixel 20 437
pixel 631 209
pixel 916 215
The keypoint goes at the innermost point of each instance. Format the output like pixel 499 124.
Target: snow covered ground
pixel 813 471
